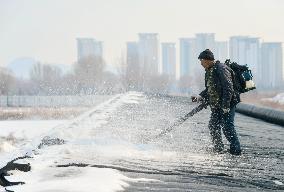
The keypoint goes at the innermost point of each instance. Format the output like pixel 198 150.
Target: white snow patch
pixel 72 179
pixel 27 129
pixel 279 98
pixel 45 178
pixel 17 138
pixel 6 147
pixel 278 182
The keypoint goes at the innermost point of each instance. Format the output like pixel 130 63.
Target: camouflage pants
pixel 219 121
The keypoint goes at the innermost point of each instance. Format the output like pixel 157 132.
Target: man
pixel 222 99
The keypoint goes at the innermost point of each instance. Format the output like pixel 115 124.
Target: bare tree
pixel 89 72
pixel 6 81
pixel 47 78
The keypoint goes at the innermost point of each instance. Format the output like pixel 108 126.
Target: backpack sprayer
pixel 242 79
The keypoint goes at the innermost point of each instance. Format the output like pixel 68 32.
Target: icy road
pixel 108 149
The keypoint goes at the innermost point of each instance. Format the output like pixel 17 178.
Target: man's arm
pixel 203 96
pixel 227 86
pixel 204 93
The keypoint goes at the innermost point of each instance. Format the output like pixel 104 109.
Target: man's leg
pixel 215 130
pixel 230 132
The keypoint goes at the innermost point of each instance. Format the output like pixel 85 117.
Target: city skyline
pixel 241 49
pixel 47 30
pixel 222 47
pixel 265 59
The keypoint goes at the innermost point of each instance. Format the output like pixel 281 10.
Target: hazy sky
pixel 47 29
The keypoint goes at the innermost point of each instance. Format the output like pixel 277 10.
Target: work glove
pixel 196 99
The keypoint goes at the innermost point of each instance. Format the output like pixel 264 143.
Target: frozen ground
pixel 14 134
pixel 108 149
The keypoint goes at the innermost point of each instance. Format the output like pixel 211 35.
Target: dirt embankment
pixel 20 113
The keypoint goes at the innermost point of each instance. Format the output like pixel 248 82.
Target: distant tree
pixel 7 81
pixel 111 84
pixel 126 77
pixel 47 78
pixel 69 85
pixel 23 87
pixel 89 73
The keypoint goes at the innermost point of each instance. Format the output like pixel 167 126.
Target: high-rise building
pixel 271 65
pixel 132 67
pixel 188 56
pixel 221 51
pixel 246 50
pixel 149 54
pixel 88 47
pixel 169 59
pixel 205 41
pixel 132 57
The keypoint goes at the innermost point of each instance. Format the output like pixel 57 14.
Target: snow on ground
pixel 46 178
pixel 27 129
pixel 83 145
pixel 13 134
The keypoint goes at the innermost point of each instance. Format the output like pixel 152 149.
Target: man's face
pixel 203 63
pixel 206 63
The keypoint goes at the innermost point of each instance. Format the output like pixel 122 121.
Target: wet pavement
pixel 186 162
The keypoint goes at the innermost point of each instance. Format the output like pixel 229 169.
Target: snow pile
pixel 84 140
pixel 279 98
pixel 18 137
pixel 278 182
pixel 24 129
pixel 45 178
pixel 6 146
pixel 85 126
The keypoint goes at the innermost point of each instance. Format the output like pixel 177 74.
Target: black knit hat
pixel 207 55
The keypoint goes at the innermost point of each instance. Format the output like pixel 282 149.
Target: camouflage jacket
pixel 219 87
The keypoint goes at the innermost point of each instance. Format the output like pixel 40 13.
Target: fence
pixel 51 101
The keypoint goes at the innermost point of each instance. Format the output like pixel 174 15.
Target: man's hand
pixel 226 110
pixel 196 99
